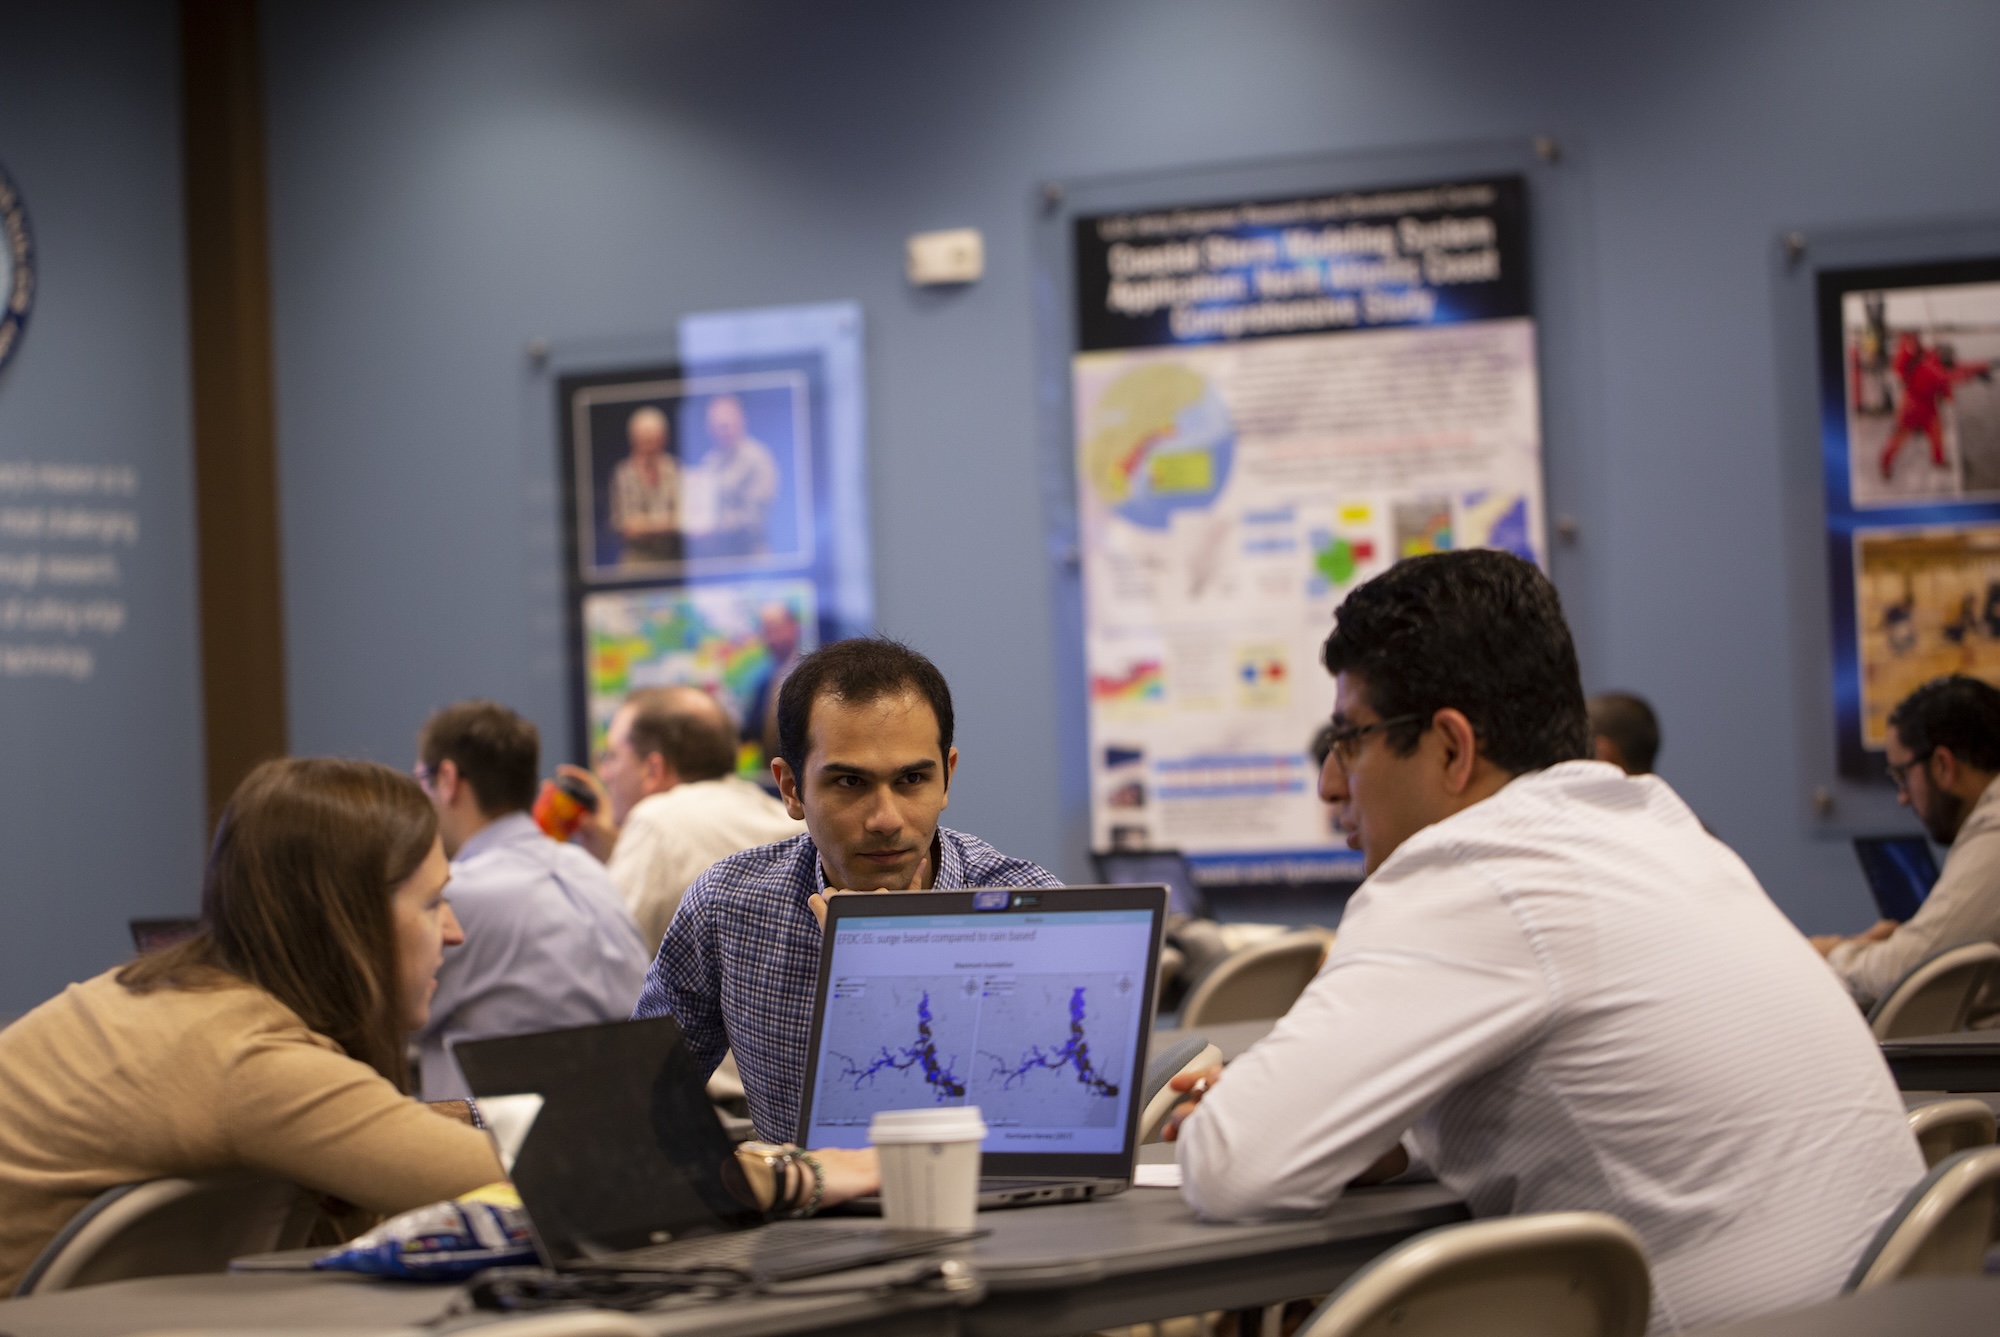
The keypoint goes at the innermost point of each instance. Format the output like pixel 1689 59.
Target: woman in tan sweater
pixel 271 1041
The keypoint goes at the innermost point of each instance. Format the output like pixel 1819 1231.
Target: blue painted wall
pixel 451 180
pixel 100 780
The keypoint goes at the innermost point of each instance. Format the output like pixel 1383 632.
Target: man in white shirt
pixel 670 802
pixel 548 943
pixel 1944 755
pixel 1553 987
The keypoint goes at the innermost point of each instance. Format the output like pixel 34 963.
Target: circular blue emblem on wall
pixel 17 267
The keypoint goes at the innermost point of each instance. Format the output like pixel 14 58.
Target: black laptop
pixel 1900 871
pixel 623 1169
pixel 1034 1005
pixel 1154 867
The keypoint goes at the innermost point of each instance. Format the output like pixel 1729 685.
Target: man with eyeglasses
pixel 1944 754
pixel 1554 989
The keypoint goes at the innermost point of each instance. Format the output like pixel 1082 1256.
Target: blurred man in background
pixel 778 625
pixel 1624 731
pixel 745 478
pixel 670 802
pixel 548 943
pixel 1944 754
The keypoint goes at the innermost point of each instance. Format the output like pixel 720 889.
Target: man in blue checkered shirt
pixel 865 758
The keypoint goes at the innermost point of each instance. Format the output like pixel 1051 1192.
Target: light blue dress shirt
pixel 548 943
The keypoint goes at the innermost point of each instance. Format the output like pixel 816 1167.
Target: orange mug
pixel 562 805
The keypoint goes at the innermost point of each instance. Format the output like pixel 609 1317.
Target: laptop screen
pixel 1184 897
pixel 1036 1010
pixel 627 1149
pixel 1900 872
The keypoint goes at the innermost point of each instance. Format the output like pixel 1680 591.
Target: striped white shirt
pixel 1570 997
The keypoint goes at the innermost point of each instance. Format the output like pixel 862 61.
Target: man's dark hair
pixel 1479 631
pixel 495 750
pixel 856 672
pixel 1631 726
pixel 1955 712
pixel 699 743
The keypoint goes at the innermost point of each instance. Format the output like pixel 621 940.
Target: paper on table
pixel 1156 1176
pixel 508 1119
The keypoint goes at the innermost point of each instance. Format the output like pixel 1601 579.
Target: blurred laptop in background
pixel 1901 872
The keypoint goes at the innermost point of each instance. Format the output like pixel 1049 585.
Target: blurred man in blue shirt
pixel 548 941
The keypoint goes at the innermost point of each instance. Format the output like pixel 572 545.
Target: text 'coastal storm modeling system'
pixel 1273 402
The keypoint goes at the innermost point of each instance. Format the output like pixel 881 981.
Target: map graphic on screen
pixel 1031 1018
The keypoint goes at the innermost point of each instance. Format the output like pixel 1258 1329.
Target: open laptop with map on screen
pixel 1033 1005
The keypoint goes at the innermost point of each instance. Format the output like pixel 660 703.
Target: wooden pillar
pixel 235 438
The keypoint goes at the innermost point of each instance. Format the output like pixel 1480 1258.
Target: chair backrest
pixel 1189 1054
pixel 1555 1274
pixel 1172 962
pixel 1256 984
pixel 1935 998
pixel 1944 1127
pixel 168 1227
pixel 1942 1228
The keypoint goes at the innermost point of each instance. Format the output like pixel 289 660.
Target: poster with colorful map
pixel 1273 402
pixel 707 636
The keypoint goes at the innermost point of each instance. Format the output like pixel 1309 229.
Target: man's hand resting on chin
pixel 818 899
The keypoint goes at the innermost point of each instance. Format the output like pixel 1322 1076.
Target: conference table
pixel 1962 1061
pixel 1041 1271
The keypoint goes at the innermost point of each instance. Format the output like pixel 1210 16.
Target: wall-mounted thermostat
pixel 957 256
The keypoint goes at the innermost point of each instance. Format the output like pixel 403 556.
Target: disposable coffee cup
pixel 930 1166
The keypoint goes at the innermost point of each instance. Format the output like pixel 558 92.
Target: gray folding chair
pixel 1945 1127
pixel 1259 983
pixel 169 1227
pixel 1942 1228
pixel 1555 1274
pixel 1935 998
pixel 1191 1053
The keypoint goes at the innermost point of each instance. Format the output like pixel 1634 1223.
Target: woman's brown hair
pixel 296 900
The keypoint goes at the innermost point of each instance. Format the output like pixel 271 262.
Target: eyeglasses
pixel 1344 741
pixel 1899 774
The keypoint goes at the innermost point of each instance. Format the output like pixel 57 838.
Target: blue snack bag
pixel 446 1241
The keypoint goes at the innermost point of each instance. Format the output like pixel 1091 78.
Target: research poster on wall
pixel 1274 401
pixel 716 514
pixel 1910 439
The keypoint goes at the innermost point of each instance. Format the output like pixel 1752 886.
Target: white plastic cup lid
pixel 943 1123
